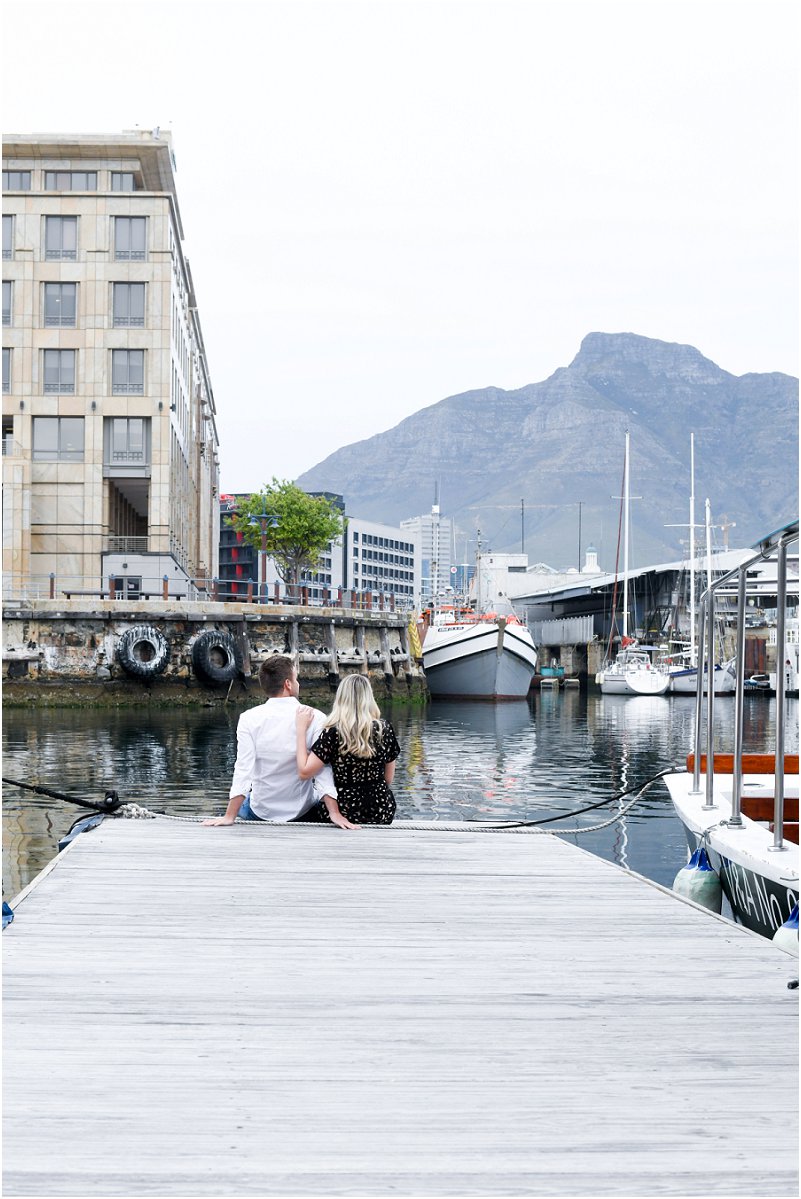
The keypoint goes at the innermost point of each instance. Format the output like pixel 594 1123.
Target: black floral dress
pixel 362 794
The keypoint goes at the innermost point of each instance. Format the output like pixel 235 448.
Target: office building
pixel 110 447
pixel 382 558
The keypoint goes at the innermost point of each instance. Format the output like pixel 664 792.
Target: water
pixel 551 754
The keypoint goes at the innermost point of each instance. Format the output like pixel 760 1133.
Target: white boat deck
pixel 294 1010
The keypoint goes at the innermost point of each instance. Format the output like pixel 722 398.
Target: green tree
pixel 303 527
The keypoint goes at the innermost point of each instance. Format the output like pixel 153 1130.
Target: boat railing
pixel 774 545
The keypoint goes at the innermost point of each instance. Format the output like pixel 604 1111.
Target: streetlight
pixel 265 520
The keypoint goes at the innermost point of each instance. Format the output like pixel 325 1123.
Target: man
pixel 266 785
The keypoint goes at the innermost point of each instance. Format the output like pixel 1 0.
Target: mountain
pixel 560 441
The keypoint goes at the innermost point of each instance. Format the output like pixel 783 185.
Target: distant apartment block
pixel 434 534
pixel 110 447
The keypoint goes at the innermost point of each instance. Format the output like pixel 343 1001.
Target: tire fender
pixel 143 651
pixel 216 657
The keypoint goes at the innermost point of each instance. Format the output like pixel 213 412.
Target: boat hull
pixel 761 884
pixel 633 682
pixel 684 681
pixel 479 661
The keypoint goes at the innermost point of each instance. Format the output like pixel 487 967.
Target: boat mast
pixel 626 540
pixel 708 520
pixel 692 550
pixel 435 546
pixel 478 570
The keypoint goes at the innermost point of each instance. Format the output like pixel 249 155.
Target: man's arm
pixel 231 812
pixel 243 774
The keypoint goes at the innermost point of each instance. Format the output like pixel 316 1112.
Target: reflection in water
pixel 526 760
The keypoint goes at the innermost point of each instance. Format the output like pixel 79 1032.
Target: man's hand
pixel 218 820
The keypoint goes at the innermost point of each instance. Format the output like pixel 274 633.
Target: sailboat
pixel 683 665
pixel 633 672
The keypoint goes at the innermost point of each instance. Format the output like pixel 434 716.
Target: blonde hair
pixel 353 714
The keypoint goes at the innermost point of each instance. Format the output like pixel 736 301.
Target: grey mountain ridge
pixel 560 441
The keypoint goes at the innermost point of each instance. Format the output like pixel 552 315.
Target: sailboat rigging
pixel 633 671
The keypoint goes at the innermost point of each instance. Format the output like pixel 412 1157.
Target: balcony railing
pixel 11 448
pixel 126 545
pixel 136 456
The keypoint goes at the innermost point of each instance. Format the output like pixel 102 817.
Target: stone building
pixel 110 448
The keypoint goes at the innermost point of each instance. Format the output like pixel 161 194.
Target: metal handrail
pixel 775 543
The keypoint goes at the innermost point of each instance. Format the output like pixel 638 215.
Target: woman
pixel 361 749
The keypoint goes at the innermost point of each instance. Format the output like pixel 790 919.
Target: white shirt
pixel 266 761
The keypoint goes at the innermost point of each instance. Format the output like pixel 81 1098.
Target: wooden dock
pixel 293 1010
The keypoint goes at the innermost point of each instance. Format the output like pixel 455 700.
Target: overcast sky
pixel 386 202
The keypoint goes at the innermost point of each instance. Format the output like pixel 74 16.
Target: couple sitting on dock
pixel 294 764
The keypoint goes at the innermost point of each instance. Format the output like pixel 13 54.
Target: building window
pixel 71 181
pixel 8 236
pixel 129 304
pixel 6 302
pixel 130 237
pixel 16 181
pixel 58 438
pixel 6 371
pixel 122 181
pixel 126 441
pixel 128 372
pixel 59 372
pixel 60 303
pixel 61 237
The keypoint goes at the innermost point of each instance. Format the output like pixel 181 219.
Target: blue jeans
pixel 316 814
pixel 246 812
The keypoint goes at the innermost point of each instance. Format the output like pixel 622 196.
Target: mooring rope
pixel 112 805
pixel 111 802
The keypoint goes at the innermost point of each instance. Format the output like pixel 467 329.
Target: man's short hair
pixel 274 672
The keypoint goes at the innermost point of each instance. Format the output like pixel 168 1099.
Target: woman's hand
pixel 342 821
pixel 303 718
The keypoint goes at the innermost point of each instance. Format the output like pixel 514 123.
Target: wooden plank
pixel 292 1010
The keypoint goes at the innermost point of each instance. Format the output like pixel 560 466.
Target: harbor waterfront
pixel 554 753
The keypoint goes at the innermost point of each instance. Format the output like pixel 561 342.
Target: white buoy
pixel 699 882
pixel 786 937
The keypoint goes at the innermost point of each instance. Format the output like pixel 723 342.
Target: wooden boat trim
pixel 751 763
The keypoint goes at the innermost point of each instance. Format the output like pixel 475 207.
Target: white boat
pixel 634 671
pixel 684 671
pixel 478 656
pixel 743 809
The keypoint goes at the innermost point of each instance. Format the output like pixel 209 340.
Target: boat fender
pixel 83 825
pixel 8 914
pixel 216 657
pixel 699 882
pixel 786 937
pixel 143 652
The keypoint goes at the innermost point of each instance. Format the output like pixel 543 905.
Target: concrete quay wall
pixel 59 652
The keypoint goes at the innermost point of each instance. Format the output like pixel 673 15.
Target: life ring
pixel 143 651
pixel 215 657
